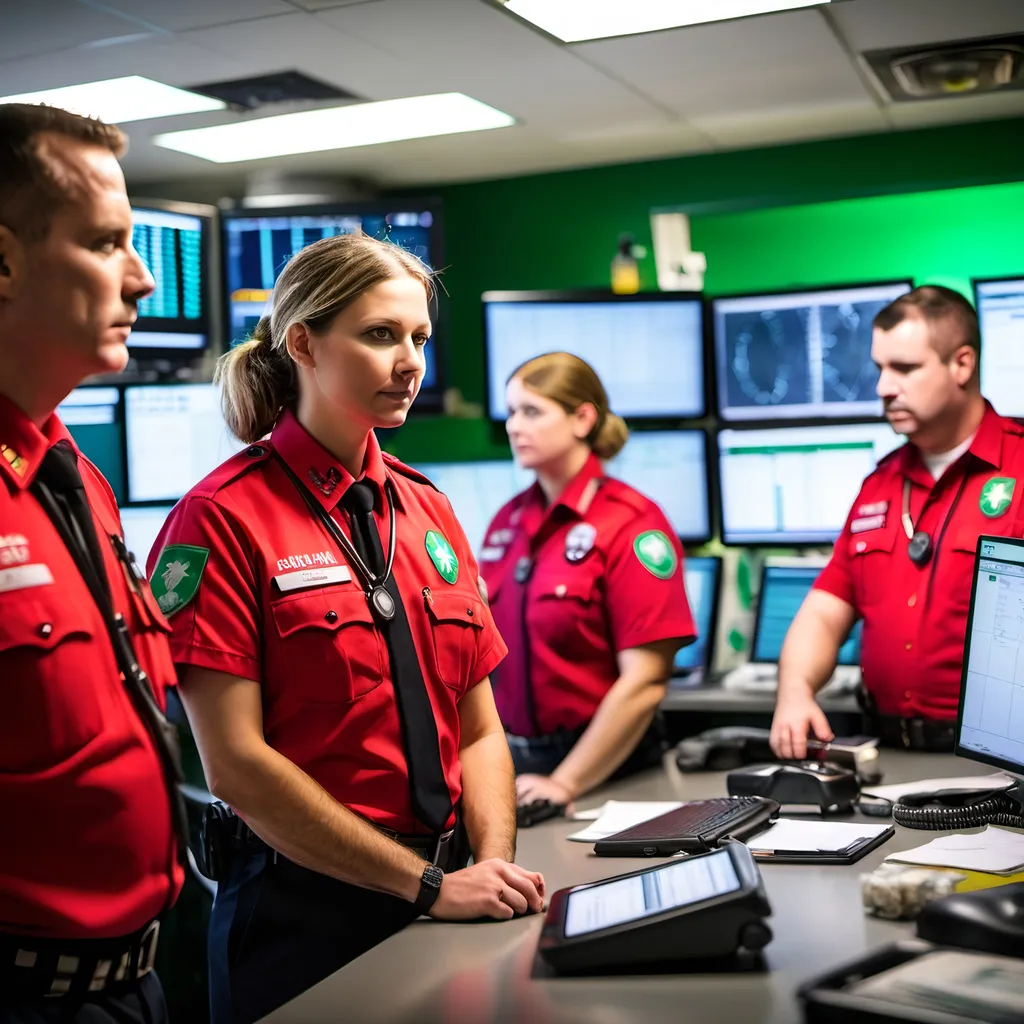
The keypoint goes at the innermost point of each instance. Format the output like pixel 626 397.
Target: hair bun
pixel 610 437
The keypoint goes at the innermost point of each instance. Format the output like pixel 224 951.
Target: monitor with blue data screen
pixel 174 241
pixel 94 417
pixel 1000 305
pixel 799 355
pixel 702 577
pixel 647 349
pixel 783 589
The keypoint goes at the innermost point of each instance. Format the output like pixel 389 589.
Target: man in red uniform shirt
pixel 904 560
pixel 89 858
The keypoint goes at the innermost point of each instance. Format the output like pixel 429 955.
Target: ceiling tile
pixel 925 113
pixel 46 26
pixel 756 64
pixel 741 129
pixel 884 24
pixel 179 15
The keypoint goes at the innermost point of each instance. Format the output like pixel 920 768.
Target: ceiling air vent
pixel 943 70
pixel 280 87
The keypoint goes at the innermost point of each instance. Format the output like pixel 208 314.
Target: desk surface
pixel 485 973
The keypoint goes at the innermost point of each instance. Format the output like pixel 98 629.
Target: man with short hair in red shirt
pixel 88 801
pixel 904 560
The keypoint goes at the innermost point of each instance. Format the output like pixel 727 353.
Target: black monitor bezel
pixel 681 672
pixel 713 350
pixel 210 272
pixel 121 420
pixel 774 542
pixel 1012 767
pixel 592 295
pixel 429 400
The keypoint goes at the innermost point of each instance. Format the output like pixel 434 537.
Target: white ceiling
pixel 759 81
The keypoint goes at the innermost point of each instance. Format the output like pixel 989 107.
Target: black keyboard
pixel 697 826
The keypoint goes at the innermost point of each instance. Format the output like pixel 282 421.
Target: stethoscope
pixel 920 547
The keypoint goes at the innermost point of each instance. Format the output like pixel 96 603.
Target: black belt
pixel 932 734
pixel 32 968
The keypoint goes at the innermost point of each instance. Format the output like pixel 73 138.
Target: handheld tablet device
pixel 707 905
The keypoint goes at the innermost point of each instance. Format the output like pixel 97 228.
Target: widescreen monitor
pixel 783 589
pixel 175 435
pixel 702 578
pixel 94 417
pixel 175 241
pixel 141 524
pixel 795 485
pixel 648 350
pixel 258 242
pixel 990 717
pixel 799 355
pixel 1000 305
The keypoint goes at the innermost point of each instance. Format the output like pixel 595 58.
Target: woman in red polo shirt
pixel 333 647
pixel 585 581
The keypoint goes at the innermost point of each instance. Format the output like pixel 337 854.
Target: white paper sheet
pixel 796 836
pixel 618 815
pixel 996 850
pixel 972 782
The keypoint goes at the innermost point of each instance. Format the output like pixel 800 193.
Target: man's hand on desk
pixel 492 888
pixel 795 715
pixel 530 788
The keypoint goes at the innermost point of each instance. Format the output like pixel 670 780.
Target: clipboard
pixel 848 855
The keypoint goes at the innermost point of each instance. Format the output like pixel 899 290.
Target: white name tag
pixel 312 578
pixel 21 577
pixel 874 509
pixel 492 554
pixel 867 523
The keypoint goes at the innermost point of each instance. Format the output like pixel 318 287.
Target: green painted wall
pixel 766 218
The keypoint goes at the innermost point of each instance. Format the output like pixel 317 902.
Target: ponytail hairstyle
pixel 569 381
pixel 258 378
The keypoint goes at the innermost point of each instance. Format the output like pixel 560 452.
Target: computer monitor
pixel 258 242
pixel 648 349
pixel 141 525
pixel 990 716
pixel 799 355
pixel 795 485
pixel 783 589
pixel 175 436
pixel 1000 305
pixel 94 417
pixel 175 241
pixel 703 579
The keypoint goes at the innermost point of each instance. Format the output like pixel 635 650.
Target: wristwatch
pixel 430 888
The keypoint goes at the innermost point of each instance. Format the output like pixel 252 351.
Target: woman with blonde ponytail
pixel 333 648
pixel 585 581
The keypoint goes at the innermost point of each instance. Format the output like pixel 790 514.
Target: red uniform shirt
pixel 278 603
pixel 605 575
pixel 915 618
pixel 88 842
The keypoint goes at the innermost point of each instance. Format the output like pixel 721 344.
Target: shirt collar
pixel 23 444
pixel 324 477
pixel 572 497
pixel 986 446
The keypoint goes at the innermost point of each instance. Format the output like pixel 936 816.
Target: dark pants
pixel 278 929
pixel 139 1003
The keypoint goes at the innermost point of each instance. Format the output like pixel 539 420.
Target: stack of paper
pixel 617 815
pixel 967 782
pixel 789 835
pixel 997 851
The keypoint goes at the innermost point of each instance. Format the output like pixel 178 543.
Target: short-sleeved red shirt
pixel 277 603
pixel 605 575
pixel 88 844
pixel 915 618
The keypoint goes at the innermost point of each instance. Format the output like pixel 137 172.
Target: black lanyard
pixel 373 585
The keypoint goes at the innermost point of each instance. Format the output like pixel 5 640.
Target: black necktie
pixel 431 799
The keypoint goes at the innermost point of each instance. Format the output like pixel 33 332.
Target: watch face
pixel 433 876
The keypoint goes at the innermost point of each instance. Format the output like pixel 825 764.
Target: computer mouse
pixel 991 920
pixel 537 811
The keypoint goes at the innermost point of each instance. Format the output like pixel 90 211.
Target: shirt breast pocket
pixel 456 620
pixel 870 560
pixel 49 684
pixel 329 650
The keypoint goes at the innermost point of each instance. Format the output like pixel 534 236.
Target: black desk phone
pixel 710 905
pixel 819 783
pixel 990 920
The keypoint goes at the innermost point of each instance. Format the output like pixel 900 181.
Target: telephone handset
pixel 954 809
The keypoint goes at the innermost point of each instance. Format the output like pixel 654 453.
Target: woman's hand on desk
pixel 492 888
pixel 541 787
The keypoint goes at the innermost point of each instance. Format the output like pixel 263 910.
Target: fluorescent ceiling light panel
pixel 572 21
pixel 118 100
pixel 359 124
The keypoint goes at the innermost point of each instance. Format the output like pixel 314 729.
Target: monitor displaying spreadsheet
pixel 648 350
pixel 795 485
pixel 94 417
pixel 175 435
pixel 1001 320
pixel 799 355
pixel 702 579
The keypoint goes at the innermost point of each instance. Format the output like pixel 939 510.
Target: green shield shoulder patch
pixel 655 553
pixel 443 556
pixel 176 576
pixel 997 496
